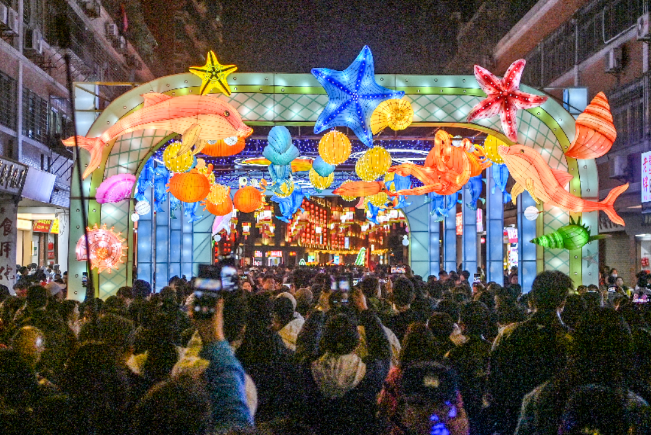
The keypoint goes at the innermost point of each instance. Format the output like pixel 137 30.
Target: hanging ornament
pixel 334 147
pixel 346 197
pixel 176 163
pixel 572 236
pixel 115 189
pixel 213 75
pixel 220 148
pixel 320 182
pixel 247 199
pixel 405 240
pixel 221 209
pixel 373 164
pixel 189 186
pixel 490 148
pixel 396 114
pixel 218 193
pixel 379 199
pixel 322 168
pixel 143 207
pixel 595 130
pixel 217 238
pixel 106 248
pixel 531 213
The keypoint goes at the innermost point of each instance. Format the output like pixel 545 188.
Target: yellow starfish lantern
pixel 213 75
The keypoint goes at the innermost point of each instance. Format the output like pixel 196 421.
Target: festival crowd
pixel 288 352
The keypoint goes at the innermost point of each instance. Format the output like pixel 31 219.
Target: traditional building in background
pixel 108 42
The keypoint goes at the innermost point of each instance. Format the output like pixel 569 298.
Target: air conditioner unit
pixel 643 28
pixel 93 9
pixel 13 21
pixel 121 44
pixel 3 15
pixel 613 60
pixel 112 32
pixel 33 41
pixel 618 167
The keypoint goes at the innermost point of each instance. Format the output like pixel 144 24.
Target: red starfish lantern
pixel 504 97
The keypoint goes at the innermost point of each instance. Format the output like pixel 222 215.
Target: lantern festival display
pixel 115 188
pixel 189 186
pixel 213 75
pixel 595 130
pixel 353 95
pixel 190 137
pixel 491 143
pixel 344 188
pixel 176 163
pixel 373 164
pixel 504 97
pixel 219 148
pixel 547 185
pixel 320 182
pixel 395 114
pixel 379 199
pixel 218 193
pixel 334 148
pixel 221 209
pixel 247 199
pixel 572 236
pixel 106 248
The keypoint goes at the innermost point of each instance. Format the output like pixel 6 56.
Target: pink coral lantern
pixel 115 189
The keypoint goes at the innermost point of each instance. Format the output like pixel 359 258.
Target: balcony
pixel 629 105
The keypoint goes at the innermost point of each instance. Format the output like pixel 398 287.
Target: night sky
pixel 405 36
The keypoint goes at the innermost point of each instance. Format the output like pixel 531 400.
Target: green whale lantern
pixel 572 236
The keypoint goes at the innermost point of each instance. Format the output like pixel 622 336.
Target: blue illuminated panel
pixel 494 230
pixel 469 237
pixel 450 238
pixel 526 250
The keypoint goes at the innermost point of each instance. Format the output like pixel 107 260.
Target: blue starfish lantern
pixel 353 96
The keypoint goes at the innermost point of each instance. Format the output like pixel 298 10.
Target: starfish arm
pixel 511 79
pixel 330 81
pixel 509 119
pixel 522 100
pixel 486 109
pixel 360 127
pixel 328 118
pixel 487 81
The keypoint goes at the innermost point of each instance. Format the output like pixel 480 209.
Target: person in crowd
pixel 286 320
pixel 403 314
pixel 342 385
pixel 527 354
pixel 442 327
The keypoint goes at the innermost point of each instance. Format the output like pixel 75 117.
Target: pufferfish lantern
pixel 334 147
pixel 395 113
pixel 320 182
pixel 176 163
pixel 373 164
pixel 106 248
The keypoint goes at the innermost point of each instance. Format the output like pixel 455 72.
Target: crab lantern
pixel 221 209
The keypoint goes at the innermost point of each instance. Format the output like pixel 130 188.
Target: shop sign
pixel 42 226
pixel 12 176
pixel 459 224
pixel 278 254
pixel 646 176
pixel 55 227
pixel 257 254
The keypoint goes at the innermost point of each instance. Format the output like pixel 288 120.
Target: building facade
pixel 35 113
pixel 575 49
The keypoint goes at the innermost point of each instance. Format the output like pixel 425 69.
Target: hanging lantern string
pixel 64 40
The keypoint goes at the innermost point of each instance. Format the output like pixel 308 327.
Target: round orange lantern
pixel 189 186
pixel 334 147
pixel 247 199
pixel 222 149
pixel 221 209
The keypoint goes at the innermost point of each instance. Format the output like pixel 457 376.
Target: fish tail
pixel 87 143
pixel 608 204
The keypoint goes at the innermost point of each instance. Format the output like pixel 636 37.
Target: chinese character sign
pixel 8 235
pixel 646 177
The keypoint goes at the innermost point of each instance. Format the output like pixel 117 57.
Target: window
pixel 627 106
pixel 35 117
pixel 619 16
pixel 8 98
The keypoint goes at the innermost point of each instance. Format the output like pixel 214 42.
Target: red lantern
pixel 247 199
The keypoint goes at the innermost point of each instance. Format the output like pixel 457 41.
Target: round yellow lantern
pixel 217 193
pixel 177 164
pixel 334 148
pixel 320 182
pixel 395 113
pixel 373 164
pixel 285 189
pixel 490 148
pixel 379 199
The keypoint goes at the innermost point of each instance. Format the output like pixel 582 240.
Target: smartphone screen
pixel 477 278
pixel 397 269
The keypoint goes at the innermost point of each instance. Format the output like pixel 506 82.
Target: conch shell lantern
pixel 595 131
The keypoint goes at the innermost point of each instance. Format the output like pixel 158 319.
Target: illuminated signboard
pixel 55 227
pixel 645 186
pixel 42 226
pixel 277 254
pixel 257 254
pixel 459 224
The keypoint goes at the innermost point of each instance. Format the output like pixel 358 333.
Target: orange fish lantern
pixel 221 209
pixel 190 186
pixel 221 149
pixel 595 130
pixel 544 184
pixel 247 199
pixel 356 189
pixel 447 168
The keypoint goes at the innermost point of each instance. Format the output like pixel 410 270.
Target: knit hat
pixel 290 297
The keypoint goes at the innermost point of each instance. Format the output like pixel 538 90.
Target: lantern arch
pixel 265 99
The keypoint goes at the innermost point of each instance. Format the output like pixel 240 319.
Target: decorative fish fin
pixel 507 198
pixel 201 144
pixel 282 218
pixel 608 204
pixel 483 201
pixel 562 177
pixel 189 138
pixel 530 189
pixel 515 191
pixel 153 98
